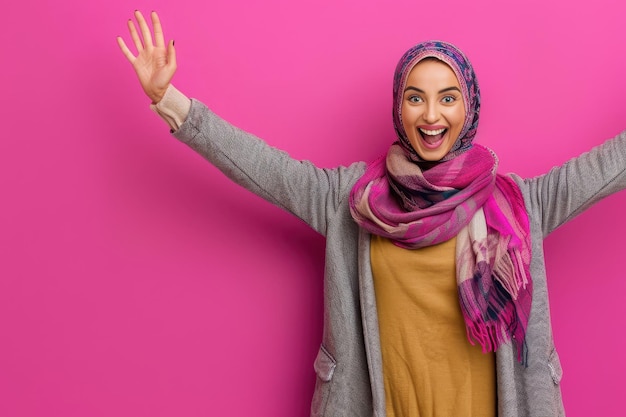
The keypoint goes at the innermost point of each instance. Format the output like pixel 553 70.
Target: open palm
pixel 155 63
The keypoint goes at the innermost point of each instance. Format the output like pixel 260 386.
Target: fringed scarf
pixel 418 204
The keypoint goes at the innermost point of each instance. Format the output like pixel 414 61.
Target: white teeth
pixel 432 132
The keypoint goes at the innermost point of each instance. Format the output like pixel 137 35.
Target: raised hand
pixel 155 64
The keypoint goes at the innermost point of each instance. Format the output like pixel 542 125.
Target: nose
pixel 431 112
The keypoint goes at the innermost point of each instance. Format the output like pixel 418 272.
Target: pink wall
pixel 136 280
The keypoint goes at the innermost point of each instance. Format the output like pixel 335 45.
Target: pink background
pixel 136 280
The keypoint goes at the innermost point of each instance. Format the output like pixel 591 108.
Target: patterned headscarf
pixel 470 91
pixel 416 203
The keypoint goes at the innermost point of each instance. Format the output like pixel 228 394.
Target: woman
pixel 435 289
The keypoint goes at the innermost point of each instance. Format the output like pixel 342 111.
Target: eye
pixel 448 99
pixel 414 99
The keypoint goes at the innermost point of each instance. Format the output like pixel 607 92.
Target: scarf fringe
pixel 489 333
pixel 508 273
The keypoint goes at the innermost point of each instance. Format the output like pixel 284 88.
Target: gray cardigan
pixel 349 365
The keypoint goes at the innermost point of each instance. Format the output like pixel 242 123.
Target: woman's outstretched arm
pixel 310 193
pixel 568 190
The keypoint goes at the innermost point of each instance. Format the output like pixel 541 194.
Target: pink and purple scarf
pixel 417 203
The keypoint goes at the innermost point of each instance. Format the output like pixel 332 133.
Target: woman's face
pixel 433 111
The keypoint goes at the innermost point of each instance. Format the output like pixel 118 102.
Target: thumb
pixel 171 56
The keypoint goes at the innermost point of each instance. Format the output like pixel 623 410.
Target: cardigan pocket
pixel 324 365
pixel 554 363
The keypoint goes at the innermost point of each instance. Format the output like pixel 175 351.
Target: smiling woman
pixel 435 285
pixel 433 111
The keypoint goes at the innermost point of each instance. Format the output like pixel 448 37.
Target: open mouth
pixel 432 138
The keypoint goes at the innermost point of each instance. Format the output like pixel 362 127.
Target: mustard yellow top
pixel 430 369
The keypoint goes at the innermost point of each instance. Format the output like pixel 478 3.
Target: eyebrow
pixel 440 91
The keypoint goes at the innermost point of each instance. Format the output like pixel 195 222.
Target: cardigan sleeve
pixel 568 190
pixel 173 107
pixel 311 193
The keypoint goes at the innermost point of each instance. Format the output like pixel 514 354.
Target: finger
pixel 145 30
pixel 171 56
pixel 158 30
pixel 134 35
pixel 129 55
